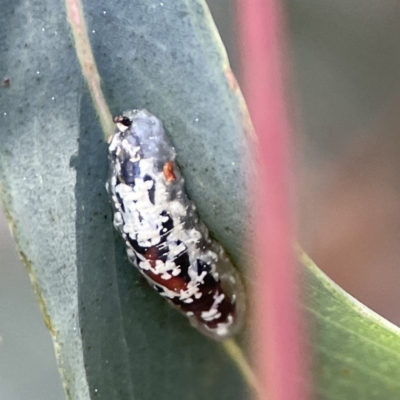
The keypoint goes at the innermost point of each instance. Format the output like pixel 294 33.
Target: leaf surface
pixel 114 337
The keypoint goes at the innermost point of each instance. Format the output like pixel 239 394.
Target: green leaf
pixel 357 352
pixel 114 337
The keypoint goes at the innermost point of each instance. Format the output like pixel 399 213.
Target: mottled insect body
pixel 164 237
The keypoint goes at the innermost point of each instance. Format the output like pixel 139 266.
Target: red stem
pixel 277 347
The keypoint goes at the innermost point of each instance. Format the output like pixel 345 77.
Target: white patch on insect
pixel 164 237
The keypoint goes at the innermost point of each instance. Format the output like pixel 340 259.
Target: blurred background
pixel 343 88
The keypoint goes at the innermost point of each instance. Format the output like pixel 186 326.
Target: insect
pixel 164 237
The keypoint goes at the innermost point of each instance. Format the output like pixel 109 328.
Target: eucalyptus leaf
pixel 114 337
pixel 356 351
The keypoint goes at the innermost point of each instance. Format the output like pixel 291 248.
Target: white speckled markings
pixel 164 237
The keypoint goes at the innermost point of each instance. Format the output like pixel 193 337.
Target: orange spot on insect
pixel 151 256
pixel 175 283
pixel 168 171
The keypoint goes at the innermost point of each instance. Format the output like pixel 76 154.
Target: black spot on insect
pixel 209 282
pixel 150 191
pixel 167 225
pixel 162 252
pixel 183 262
pixel 159 289
pixel 135 245
pixel 120 119
pixel 129 171
pixel 120 202
pixel 203 266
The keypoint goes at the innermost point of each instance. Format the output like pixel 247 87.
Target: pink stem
pixel 276 336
